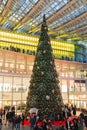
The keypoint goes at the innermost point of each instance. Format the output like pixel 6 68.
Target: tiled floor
pixel 4 127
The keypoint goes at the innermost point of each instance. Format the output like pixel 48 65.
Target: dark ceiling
pixel 66 19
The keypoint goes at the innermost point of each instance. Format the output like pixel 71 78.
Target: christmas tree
pixel 44 91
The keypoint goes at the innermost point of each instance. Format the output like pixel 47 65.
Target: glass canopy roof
pixel 65 18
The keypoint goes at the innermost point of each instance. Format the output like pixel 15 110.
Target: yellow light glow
pixel 28 42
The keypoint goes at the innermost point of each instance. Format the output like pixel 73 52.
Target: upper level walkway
pixel 14 62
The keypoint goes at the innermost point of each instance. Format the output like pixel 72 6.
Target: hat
pixel 33 113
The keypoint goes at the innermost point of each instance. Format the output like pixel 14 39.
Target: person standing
pixel 22 119
pixel 32 121
pixel 74 110
pixel 18 120
pixel 85 119
pixel 75 125
pixel 68 124
pixel 80 125
pixel 0 122
pixel 13 122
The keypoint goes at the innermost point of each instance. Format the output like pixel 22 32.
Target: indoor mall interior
pixel 20 23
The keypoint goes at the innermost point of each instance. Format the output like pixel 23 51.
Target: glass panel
pixel 17 88
pixel 64 86
pixel 2 5
pixel 72 87
pixel 68 17
pixel 48 9
pixel 7 91
pixel 1 91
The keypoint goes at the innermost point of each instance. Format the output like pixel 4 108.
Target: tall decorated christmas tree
pixel 44 91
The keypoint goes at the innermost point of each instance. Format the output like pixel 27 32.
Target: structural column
pixel 12 91
pixel 21 91
pixel 68 86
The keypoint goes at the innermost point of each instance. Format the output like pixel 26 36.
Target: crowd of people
pixel 76 123
pixel 19 50
pixel 32 52
pixel 11 119
pixel 67 118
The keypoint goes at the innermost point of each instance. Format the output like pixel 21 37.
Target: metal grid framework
pixel 65 18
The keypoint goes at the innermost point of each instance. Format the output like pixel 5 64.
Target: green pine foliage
pixel 44 92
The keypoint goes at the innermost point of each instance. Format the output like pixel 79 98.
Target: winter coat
pixel 33 120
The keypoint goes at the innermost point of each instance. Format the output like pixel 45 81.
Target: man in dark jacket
pixel 17 121
pixel 81 115
pixel 32 121
pixel 22 119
